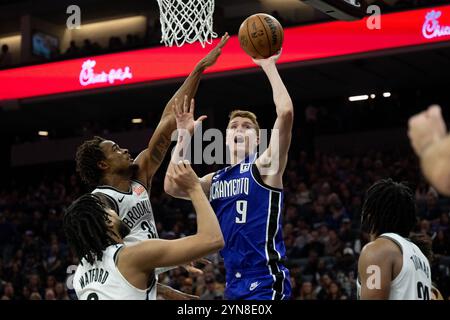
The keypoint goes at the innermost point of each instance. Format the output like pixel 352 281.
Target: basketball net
pixel 186 21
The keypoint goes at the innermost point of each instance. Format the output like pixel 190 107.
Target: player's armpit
pixel 375 267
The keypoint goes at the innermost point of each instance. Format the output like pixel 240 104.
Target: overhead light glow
pixel 358 98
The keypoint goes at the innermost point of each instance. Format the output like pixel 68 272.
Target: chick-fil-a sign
pixel 304 43
pixel 432 28
pixel 88 76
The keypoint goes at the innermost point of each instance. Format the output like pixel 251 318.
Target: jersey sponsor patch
pixel 138 190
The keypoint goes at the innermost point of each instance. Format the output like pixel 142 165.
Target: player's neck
pixel 237 157
pixel 117 182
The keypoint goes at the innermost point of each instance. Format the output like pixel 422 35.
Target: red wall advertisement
pixel 304 43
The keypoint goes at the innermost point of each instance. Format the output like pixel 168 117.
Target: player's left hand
pixel 193 270
pixel 212 56
pixel 268 61
pixel 426 128
pixel 184 115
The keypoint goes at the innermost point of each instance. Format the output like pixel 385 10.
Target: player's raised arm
pixel 150 159
pixel 431 142
pixel 186 125
pixel 274 159
pixel 150 254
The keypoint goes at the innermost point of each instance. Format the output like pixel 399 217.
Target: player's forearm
pixel 181 148
pixel 435 163
pixel 207 225
pixel 169 293
pixel 171 188
pixel 179 154
pixel 281 97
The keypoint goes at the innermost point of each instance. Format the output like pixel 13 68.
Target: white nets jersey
pixel 414 280
pixel 134 208
pixel 103 281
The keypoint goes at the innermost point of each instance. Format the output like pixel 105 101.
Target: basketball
pixel 261 36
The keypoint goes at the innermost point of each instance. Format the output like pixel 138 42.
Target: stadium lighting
pixel 43 133
pixel 358 98
pixel 137 120
pixel 386 94
pixel 372 96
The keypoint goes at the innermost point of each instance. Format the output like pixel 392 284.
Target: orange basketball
pixel 261 36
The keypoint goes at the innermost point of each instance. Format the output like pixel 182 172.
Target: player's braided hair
pixel 389 207
pixel 86 229
pixel 87 156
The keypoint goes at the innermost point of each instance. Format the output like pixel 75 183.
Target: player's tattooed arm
pixel 151 158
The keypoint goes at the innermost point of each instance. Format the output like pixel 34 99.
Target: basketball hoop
pixel 186 21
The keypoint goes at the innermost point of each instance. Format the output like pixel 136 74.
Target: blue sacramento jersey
pixel 249 213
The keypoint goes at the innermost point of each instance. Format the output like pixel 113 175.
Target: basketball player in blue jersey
pixel 124 183
pixel 248 195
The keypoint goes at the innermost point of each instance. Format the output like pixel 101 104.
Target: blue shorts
pixel 258 284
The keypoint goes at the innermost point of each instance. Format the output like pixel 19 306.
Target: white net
pixel 186 21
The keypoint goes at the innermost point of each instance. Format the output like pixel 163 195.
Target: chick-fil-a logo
pixel 431 28
pixel 87 75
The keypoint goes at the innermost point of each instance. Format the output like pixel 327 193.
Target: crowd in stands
pixel 324 194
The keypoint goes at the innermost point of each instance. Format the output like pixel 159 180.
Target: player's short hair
pixel 389 207
pixel 85 227
pixel 87 157
pixel 245 114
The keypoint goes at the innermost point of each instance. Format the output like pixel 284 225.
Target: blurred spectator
pixel 73 50
pixel 441 244
pixel 35 296
pixel 346 233
pixel 335 292
pixel 115 44
pixel 323 197
pixel 306 292
pixel 431 209
pixel 8 292
pixel 61 292
pixel 211 292
pixel 334 244
pixel 50 294
pixel 302 195
pixel 5 57
pixel 87 48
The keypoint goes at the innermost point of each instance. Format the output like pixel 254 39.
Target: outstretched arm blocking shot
pixel 150 159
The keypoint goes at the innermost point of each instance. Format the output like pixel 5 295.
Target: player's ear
pixel 102 165
pixel 110 219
